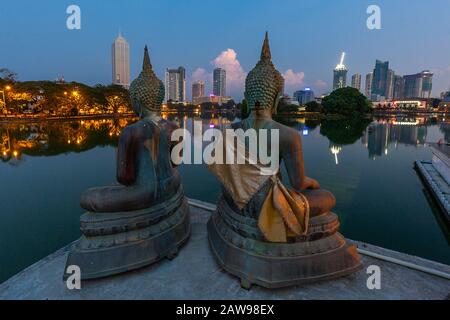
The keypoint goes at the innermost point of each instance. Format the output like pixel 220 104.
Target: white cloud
pixel 200 74
pixel 294 79
pixel 320 84
pixel 235 73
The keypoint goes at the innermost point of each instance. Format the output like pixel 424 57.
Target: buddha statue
pixel 145 216
pixel 264 232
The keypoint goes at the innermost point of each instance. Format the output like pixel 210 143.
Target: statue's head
pixel 264 84
pixel 146 91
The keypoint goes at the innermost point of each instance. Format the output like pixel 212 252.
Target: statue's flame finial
pixel 265 52
pixel 146 66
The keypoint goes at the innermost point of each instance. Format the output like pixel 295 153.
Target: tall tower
pixel 368 88
pixel 399 87
pixel 390 82
pixel 380 78
pixel 356 81
pixel 220 82
pixel 175 83
pixel 120 54
pixel 340 74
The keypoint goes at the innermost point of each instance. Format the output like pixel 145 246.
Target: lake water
pixel 368 165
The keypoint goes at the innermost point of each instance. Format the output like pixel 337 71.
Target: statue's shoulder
pixel 284 130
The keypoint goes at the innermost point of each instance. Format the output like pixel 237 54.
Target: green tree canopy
pixel 346 101
pixel 313 106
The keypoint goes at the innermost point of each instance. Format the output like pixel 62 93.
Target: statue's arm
pixel 292 155
pixel 177 157
pixel 126 158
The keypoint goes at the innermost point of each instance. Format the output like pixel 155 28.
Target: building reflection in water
pixel 47 138
pixel 380 135
pixel 56 137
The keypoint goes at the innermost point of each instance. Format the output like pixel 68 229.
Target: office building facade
pixel 175 85
pixel 120 56
pixel 220 82
pixel 304 96
pixel 356 81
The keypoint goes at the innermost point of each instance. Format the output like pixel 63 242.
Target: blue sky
pixel 306 37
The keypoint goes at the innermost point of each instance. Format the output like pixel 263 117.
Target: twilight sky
pixel 306 36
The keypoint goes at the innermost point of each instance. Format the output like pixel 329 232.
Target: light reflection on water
pixel 368 165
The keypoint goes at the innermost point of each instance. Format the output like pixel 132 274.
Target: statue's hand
pixel 310 183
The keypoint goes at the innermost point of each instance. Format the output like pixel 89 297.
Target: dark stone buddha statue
pixel 144 217
pixel 280 235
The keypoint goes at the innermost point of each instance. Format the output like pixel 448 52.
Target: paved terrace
pixel 195 275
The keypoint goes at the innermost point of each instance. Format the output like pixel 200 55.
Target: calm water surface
pixel 368 165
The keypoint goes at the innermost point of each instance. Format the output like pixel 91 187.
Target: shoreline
pixel 5 120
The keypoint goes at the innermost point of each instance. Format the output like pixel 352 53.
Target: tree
pixel 8 75
pixel 313 106
pixel 346 101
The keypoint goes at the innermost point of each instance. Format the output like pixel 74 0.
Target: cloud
pixel 294 79
pixel 235 73
pixel 320 84
pixel 200 74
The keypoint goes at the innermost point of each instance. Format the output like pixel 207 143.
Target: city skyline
pixel 81 55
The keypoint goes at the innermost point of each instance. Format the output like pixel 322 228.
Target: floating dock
pixel 436 176
pixel 195 275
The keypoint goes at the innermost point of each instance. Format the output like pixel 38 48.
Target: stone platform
pixel 195 275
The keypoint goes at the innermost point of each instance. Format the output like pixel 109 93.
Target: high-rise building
pixel 340 74
pixel 175 83
pixel 198 90
pixel 379 81
pixel 120 53
pixel 418 85
pixel 356 81
pixel 304 96
pixel 220 82
pixel 390 80
pixel 368 88
pixel 399 87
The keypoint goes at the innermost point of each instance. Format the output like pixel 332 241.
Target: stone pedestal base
pixel 119 242
pixel 276 265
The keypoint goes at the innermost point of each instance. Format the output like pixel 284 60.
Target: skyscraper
pixel 379 81
pixel 120 53
pixel 368 88
pixel 198 90
pixel 175 83
pixel 356 81
pixel 390 85
pixel 399 87
pixel 304 96
pixel 219 82
pixel 419 85
pixel 340 74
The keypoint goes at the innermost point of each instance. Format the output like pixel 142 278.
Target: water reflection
pixel 383 133
pixel 56 137
pixel 381 202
